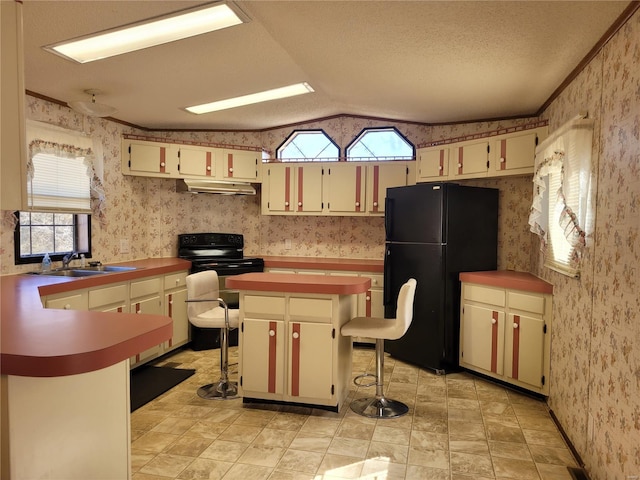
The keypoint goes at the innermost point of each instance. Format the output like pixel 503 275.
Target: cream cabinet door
pixel 379 178
pixel 483 338
pixel 279 183
pixel 147 157
pixel 263 347
pixel 433 163
pixel 524 349
pixel 176 308
pixel 197 162
pixel 346 188
pixel 308 181
pixel 310 360
pixel 241 165
pixel 514 153
pixel 469 160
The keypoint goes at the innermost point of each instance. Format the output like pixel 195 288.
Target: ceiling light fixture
pixel 267 95
pixel 92 108
pixel 148 33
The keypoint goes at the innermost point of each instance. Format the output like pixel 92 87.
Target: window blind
pixel 59 183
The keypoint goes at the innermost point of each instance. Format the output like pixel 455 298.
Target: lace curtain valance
pixel 562 187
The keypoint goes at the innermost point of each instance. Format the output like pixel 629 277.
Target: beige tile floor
pixel 459 427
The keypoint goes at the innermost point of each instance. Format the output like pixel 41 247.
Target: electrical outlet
pixel 124 245
pixel 287 244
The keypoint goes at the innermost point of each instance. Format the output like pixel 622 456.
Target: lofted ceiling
pixel 420 61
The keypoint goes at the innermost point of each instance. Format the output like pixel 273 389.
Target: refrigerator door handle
pixel 388 205
pixel 386 279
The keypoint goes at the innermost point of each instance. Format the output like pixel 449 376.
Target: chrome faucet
pixel 67 259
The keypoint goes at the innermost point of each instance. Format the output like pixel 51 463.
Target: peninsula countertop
pixel 322 263
pixel 41 342
pixel 292 283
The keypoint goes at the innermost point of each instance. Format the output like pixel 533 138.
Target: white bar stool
pixel 202 291
pixel 382 329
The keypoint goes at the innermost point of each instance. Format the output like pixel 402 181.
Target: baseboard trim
pixel 578 473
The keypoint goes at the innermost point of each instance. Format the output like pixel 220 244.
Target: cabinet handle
pixel 299 204
pixel 502 160
pixel 67 306
pixel 515 325
pixel 375 204
pixel 357 204
pixel 368 298
pixel 178 281
pixel 493 321
pixel 440 167
pixel 208 169
pixel 170 302
pixel 162 164
pixel 296 335
pixel 459 165
pixel 230 169
pixel 286 204
pixel 272 333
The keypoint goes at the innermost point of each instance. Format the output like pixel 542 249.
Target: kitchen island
pixel 290 346
pixel 65 376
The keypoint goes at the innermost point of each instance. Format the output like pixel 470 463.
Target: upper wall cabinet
pixel 498 155
pixel 172 160
pixel 331 188
pixel 13 143
pixel 241 165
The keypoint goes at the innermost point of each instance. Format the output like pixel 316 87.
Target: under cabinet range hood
pixel 214 186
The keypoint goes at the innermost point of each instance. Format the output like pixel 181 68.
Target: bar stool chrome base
pixel 379 407
pixel 223 390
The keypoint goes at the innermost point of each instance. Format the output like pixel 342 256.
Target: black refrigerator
pixel 434 231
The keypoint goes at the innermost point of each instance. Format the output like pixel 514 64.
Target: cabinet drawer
pixel 72 302
pixel 175 280
pixel 264 307
pixel 143 288
pixel 377 281
pixel 478 293
pixel 107 295
pixel 312 309
pixel 526 302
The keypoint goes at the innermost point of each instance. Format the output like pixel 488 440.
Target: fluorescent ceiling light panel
pixel 276 93
pixel 156 31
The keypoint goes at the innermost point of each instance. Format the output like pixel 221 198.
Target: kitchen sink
pixel 84 271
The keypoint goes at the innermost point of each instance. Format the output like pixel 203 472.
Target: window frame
pixel 295 133
pixel 389 128
pixel 81 234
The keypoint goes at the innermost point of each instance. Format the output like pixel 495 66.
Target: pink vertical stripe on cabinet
pixel 230 164
pixel 503 154
pixel 358 187
pixel 208 172
pixel 170 300
pixel 494 342
pixel 271 386
pixel 300 188
pixel 295 360
pixel 441 170
pixel 163 163
pixel 287 189
pixel 368 304
pixel 460 160
pixel 376 186
pixel 516 347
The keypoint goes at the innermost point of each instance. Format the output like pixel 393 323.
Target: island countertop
pixel 41 342
pixel 292 283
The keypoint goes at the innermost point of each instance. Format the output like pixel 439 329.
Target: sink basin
pixel 85 271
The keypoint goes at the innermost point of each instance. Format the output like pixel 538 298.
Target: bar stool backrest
pixel 404 309
pixel 202 286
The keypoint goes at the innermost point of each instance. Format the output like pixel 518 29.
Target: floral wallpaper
pixel 595 366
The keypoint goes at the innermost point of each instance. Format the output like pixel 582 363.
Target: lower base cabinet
pixel 156 295
pixel 291 349
pixel 506 334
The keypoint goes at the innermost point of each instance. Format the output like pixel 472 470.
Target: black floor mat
pixel 148 382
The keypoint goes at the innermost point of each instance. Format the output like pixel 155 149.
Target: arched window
pixel 307 146
pixel 385 143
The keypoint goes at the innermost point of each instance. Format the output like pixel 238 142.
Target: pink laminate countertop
pixel 508 279
pixel 43 342
pixel 344 264
pixel 294 283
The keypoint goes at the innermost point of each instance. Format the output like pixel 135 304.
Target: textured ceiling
pixel 421 61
